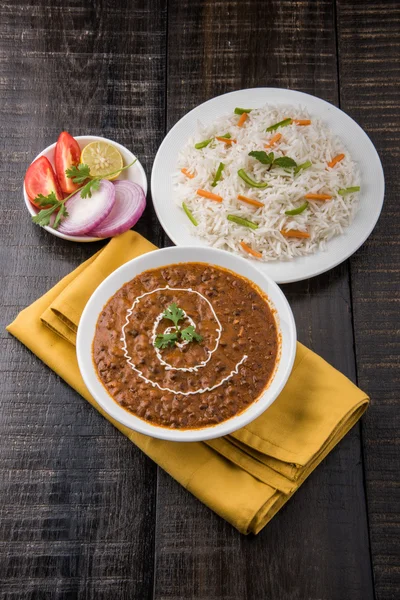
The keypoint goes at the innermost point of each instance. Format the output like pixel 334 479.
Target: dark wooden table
pixel 83 513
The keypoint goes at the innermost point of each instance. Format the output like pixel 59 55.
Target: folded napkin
pixel 245 477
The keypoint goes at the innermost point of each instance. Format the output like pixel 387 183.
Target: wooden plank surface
pixel 369 42
pixel 317 547
pixel 77 500
pixel 83 514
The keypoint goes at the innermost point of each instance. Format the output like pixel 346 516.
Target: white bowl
pixel 135 173
pixel 168 256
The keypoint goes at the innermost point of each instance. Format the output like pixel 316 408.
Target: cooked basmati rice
pixel 286 191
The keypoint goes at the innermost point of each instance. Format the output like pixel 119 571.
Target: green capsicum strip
pixel 243 175
pixel 349 190
pixel 203 144
pixel 240 111
pixel 303 166
pixel 298 210
pixel 280 124
pixel 218 174
pixel 241 221
pixel 189 213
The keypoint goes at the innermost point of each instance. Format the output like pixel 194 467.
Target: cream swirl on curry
pixel 186 345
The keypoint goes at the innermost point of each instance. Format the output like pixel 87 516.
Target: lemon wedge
pixel 102 158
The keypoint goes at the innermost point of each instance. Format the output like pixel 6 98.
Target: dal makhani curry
pixel 186 346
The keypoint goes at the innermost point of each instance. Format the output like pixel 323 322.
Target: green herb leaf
pixel 91 186
pixel 43 217
pixel 46 200
pixel 280 124
pixel 218 174
pixel 189 334
pixel 174 314
pixel 263 157
pixel 240 111
pixel 269 159
pixel 163 340
pixel 60 215
pixel 226 136
pixel 285 162
pixel 78 173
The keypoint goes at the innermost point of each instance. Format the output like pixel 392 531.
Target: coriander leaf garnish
pixel 263 157
pixel 174 314
pixel 91 186
pixel 78 173
pixel 163 340
pixel 189 334
pixel 81 173
pixel 43 217
pixel 269 159
pixel 60 215
pixel 46 200
pixel 285 162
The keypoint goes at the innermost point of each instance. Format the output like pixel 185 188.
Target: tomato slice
pixel 66 155
pixel 41 179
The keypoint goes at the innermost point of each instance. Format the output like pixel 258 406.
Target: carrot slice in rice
pixel 250 251
pixel 335 160
pixel 318 197
pixel 242 119
pixel 274 140
pixel 294 233
pixel 302 122
pixel 226 140
pixel 187 173
pixel 250 201
pixel 209 195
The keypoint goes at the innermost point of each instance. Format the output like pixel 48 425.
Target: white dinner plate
pixel 135 173
pixel 175 222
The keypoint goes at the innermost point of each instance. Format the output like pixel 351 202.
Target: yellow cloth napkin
pixel 245 477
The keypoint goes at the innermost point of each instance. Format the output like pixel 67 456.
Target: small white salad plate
pixel 356 141
pixel 135 173
pixel 168 256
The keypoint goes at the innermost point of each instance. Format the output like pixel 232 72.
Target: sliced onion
pixel 130 203
pixel 86 213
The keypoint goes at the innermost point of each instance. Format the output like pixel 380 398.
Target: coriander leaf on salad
pixel 78 173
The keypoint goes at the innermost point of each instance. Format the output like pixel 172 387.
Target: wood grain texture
pixel 77 500
pixel 85 515
pixel 369 41
pixel 317 546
